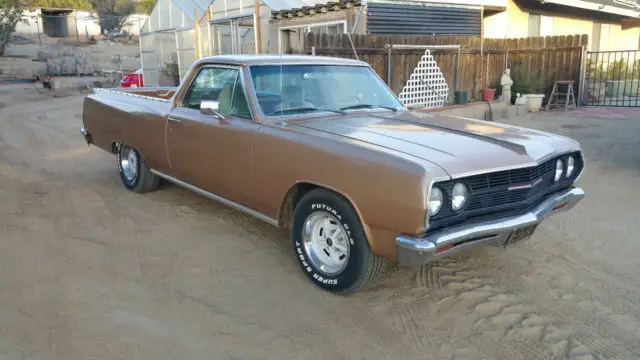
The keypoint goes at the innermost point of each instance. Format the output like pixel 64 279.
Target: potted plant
pixel 527 84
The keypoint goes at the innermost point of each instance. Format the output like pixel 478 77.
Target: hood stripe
pixel 517 148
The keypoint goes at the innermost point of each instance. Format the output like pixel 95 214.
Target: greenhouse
pixel 180 31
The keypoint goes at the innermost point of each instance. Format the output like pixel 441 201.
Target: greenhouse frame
pixel 178 32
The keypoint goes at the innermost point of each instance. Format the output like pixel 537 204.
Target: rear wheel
pixel 331 246
pixel 134 171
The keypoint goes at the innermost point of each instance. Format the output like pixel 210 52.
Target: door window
pixel 223 85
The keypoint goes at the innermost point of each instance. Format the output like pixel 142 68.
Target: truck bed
pixel 131 116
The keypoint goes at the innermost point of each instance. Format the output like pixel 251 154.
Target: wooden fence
pixel 480 64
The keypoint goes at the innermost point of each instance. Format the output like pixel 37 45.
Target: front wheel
pixel 134 171
pixel 331 246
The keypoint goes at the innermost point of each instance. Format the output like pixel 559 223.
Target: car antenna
pixel 353 29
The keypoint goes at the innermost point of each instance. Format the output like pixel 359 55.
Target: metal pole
pixel 581 77
pixel 38 27
pixel 353 47
pixel 626 78
pixel 506 59
pixel 486 73
pixel 196 32
pixel 457 69
pixel 388 65
pixel 77 34
pixel 258 31
pixel 632 72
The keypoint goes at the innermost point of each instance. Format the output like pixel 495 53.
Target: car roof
pixel 254 59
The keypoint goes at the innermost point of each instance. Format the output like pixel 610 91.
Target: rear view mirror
pixel 209 107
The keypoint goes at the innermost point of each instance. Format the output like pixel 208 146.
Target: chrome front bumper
pixel 417 251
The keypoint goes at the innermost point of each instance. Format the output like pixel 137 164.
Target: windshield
pixel 302 89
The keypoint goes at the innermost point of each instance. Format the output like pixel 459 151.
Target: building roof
pixel 617 7
pixel 279 5
pixel 304 10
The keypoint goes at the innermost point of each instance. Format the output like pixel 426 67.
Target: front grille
pixel 504 192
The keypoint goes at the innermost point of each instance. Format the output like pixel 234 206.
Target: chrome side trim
pixel 218 198
pixel 417 251
pixel 132 94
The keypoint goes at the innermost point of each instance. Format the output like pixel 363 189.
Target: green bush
pixel 525 82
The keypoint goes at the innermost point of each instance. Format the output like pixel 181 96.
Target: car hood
pixel 460 146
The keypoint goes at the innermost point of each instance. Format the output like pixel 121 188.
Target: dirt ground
pixel 89 270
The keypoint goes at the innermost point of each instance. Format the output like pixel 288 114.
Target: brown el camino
pixel 322 147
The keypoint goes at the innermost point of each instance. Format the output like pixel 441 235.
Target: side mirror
pixel 210 107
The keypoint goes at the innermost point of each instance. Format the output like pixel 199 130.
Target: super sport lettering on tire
pixel 330 244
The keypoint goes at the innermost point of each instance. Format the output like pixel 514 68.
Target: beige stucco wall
pixel 570 26
pixel 510 23
pixel 514 22
pixel 619 39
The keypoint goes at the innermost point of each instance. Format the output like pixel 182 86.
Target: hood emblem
pixel 525 186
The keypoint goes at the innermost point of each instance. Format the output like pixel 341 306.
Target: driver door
pixel 213 151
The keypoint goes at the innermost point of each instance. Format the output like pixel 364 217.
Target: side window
pixel 240 106
pixel 211 83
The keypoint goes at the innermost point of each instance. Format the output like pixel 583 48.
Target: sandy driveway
pixel 89 270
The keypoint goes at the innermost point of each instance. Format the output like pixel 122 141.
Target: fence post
pixel 313 50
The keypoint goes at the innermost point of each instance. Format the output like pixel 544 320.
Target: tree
pixel 146 6
pixel 10 15
pixel 112 13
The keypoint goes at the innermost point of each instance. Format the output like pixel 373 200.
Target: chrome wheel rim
pixel 129 163
pixel 325 242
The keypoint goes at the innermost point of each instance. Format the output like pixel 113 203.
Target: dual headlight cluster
pixel 460 193
pixel 459 196
pixel 561 170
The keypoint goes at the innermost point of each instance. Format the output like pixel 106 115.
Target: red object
pixel 444 248
pixel 488 94
pixel 134 79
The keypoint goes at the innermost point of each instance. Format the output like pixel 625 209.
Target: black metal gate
pixel 612 78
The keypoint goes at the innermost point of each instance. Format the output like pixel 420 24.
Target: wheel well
pixel 294 195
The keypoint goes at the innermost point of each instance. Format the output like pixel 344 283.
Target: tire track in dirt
pixel 530 325
pixel 562 328
pixel 258 232
pixel 621 300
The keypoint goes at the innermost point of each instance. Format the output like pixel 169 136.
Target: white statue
pixel 506 83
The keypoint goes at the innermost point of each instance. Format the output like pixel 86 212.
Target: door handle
pixel 172 119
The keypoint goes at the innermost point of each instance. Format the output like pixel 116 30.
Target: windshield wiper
pixel 368 106
pixel 304 109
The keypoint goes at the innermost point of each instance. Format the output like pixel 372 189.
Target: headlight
pixel 559 170
pixel 571 164
pixel 435 201
pixel 458 196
